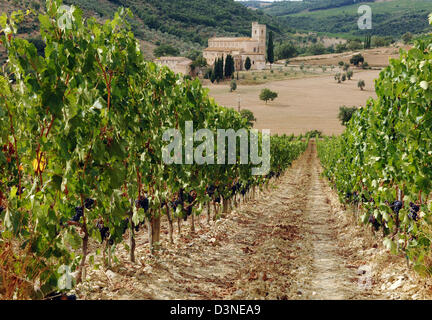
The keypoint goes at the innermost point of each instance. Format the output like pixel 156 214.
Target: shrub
pixel 357 59
pixel 249 116
pixel 233 85
pixel 267 94
pixel 345 114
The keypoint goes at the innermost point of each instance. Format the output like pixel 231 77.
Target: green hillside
pixel 184 24
pixel 189 20
pixel 391 18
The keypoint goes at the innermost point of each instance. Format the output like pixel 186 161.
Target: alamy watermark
pixel 365 20
pixel 204 153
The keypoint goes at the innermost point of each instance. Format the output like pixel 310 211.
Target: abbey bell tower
pixel 259 33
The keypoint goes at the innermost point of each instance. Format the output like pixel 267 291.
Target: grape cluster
pixel 414 209
pixel 124 225
pixel 211 190
pixel 89 203
pixel 1 209
pixel 396 206
pixel 188 211
pixel 374 222
pixel 104 231
pixel 191 196
pixel 142 202
pixel 244 189
pixel 79 212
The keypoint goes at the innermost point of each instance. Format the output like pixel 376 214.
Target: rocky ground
pixel 294 241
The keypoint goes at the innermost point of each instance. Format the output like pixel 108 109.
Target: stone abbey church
pixel 240 49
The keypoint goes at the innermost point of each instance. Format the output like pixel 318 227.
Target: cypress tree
pixel 229 66
pixel 270 49
pixel 248 64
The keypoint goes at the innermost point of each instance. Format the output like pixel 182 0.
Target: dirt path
pixel 292 242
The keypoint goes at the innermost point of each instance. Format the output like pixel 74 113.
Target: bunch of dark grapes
pixel 191 197
pixel 210 190
pixel 414 209
pixel 278 174
pixel 142 202
pixel 181 195
pixel 125 224
pixel 243 190
pixel 188 211
pixel 89 203
pixel 19 192
pixel 234 188
pixel 79 211
pixel 217 199
pixel 1 209
pixel 163 203
pixel 104 231
pixel 374 222
pixel 396 206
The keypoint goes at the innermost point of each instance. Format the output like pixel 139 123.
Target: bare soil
pixel 292 242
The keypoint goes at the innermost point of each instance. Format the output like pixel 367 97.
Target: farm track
pixel 283 245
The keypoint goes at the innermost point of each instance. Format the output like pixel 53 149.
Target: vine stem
pixel 15 143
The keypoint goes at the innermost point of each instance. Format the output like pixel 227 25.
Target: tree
pixel 349 74
pixel 338 77
pixel 267 94
pixel 341 47
pixel 407 37
pixel 229 66
pixel 166 50
pixel 357 59
pixel 346 67
pixel 270 48
pixel 233 85
pixel 218 70
pixel 341 63
pixel 344 77
pixel 367 42
pixel 285 51
pixel 193 55
pixel 199 62
pixel 249 116
pixel 354 45
pixel 345 114
pixel 248 64
pixel 361 84
pixel 316 49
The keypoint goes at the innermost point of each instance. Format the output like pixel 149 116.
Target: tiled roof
pixel 231 39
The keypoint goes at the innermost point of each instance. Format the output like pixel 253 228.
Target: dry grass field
pixel 302 105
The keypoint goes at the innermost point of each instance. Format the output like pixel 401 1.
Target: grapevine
pixel 384 156
pixel 81 134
